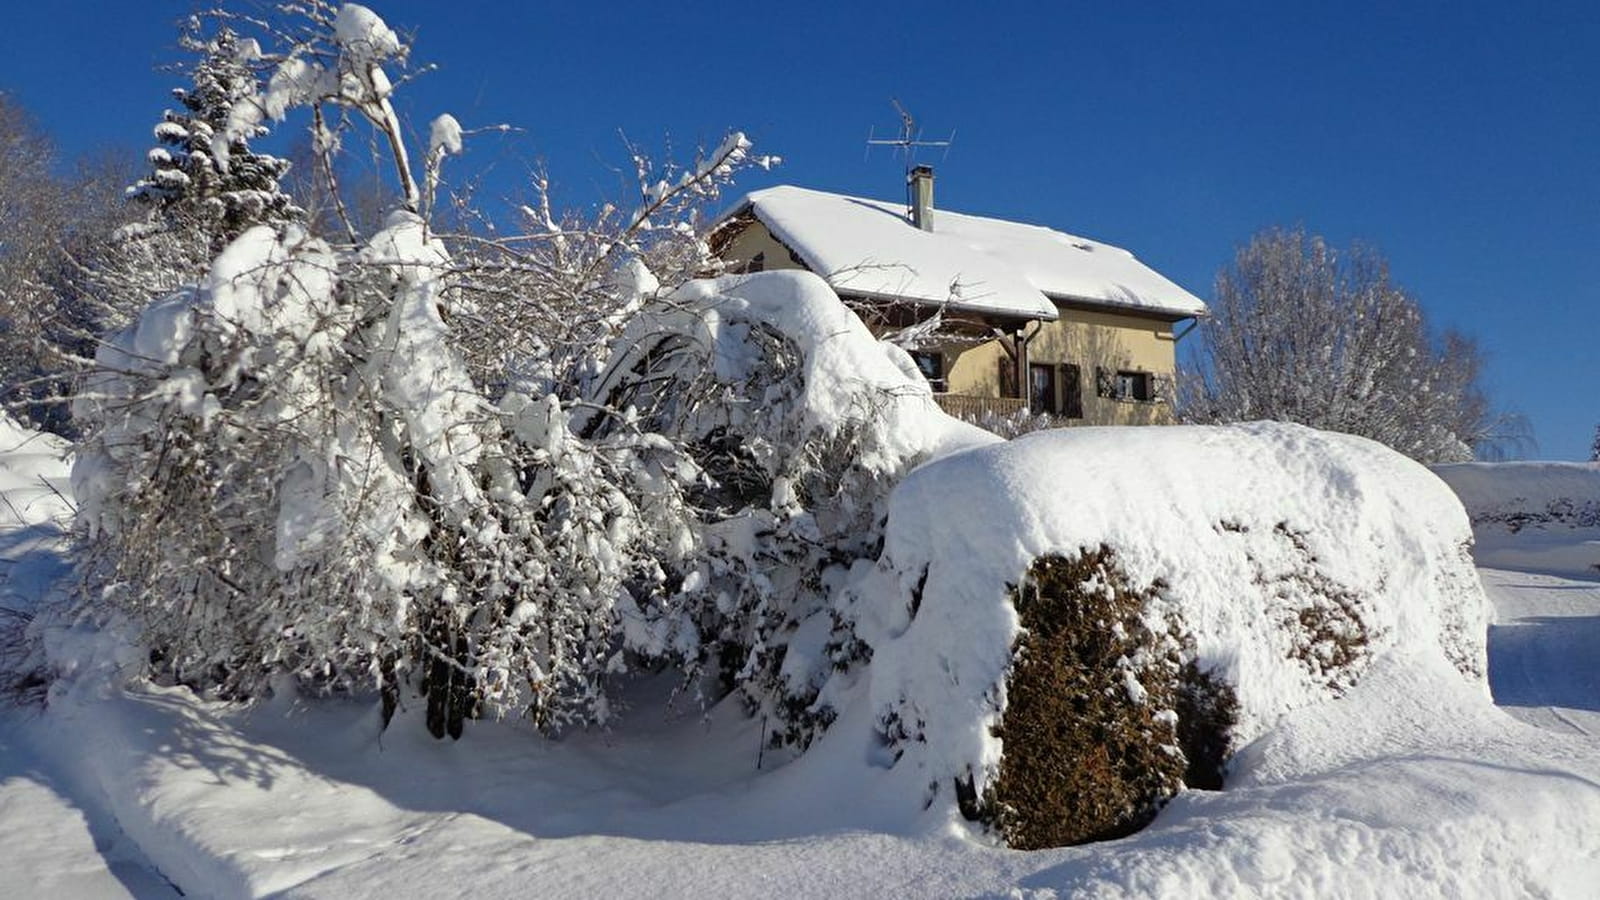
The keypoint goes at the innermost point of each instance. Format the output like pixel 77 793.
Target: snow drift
pixel 1295 558
pixel 30 475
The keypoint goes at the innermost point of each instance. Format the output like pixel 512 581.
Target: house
pixel 1000 316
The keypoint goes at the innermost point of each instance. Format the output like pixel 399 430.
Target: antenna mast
pixel 910 137
pixel 909 140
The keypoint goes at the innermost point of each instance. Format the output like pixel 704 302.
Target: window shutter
pixel 1008 377
pixel 1105 382
pixel 1071 391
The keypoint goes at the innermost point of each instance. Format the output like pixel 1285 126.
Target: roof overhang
pixel 1125 309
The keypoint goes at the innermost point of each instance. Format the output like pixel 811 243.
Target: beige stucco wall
pixel 756 239
pixel 1091 338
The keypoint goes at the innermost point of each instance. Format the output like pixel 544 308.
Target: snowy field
pixel 1413 784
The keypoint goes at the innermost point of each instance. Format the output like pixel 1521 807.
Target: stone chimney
pixel 920 185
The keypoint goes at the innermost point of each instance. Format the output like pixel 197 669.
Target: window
pixel 1125 384
pixel 1071 391
pixel 1041 388
pixel 1134 386
pixel 931 365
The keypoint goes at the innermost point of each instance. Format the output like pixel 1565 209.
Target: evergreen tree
pixel 189 187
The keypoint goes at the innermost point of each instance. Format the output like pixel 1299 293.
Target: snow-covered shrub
pixel 244 438
pixel 1014 425
pixel 802 423
pixel 543 308
pixel 1293 557
pixel 299 466
pixel 289 469
pixel 1093 733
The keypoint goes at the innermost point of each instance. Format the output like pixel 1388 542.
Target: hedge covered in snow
pixel 1290 558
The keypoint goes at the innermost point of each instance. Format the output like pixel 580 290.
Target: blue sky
pixel 1462 139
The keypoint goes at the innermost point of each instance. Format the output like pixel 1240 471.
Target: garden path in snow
pixel 1543 666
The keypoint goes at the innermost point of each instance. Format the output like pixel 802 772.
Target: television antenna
pixel 910 137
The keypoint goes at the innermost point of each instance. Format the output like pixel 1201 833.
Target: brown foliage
pixel 1105 718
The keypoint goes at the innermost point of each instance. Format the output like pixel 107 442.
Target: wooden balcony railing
pixel 971 408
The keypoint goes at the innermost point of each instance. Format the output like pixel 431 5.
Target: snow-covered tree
pixel 366 508
pixel 802 423
pixel 191 186
pixel 30 226
pixel 54 227
pixel 1303 332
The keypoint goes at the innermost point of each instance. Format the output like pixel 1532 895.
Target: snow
pixel 869 248
pixel 848 374
pixel 1413 786
pixel 1542 516
pixel 361 33
pixel 1245 528
pixel 444 135
pixel 1410 784
pixel 1546 629
pixel 30 477
pixel 54 847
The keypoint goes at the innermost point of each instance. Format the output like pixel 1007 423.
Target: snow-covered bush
pixel 542 307
pixel 801 422
pixel 1517 495
pixel 297 466
pixel 1293 558
pixel 289 469
pixel 247 437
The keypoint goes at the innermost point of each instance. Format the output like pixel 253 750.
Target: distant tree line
pixel 56 224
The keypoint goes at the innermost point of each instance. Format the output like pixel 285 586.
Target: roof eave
pixel 953 305
pixel 1155 312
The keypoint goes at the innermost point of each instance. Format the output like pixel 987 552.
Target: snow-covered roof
pixel 870 248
